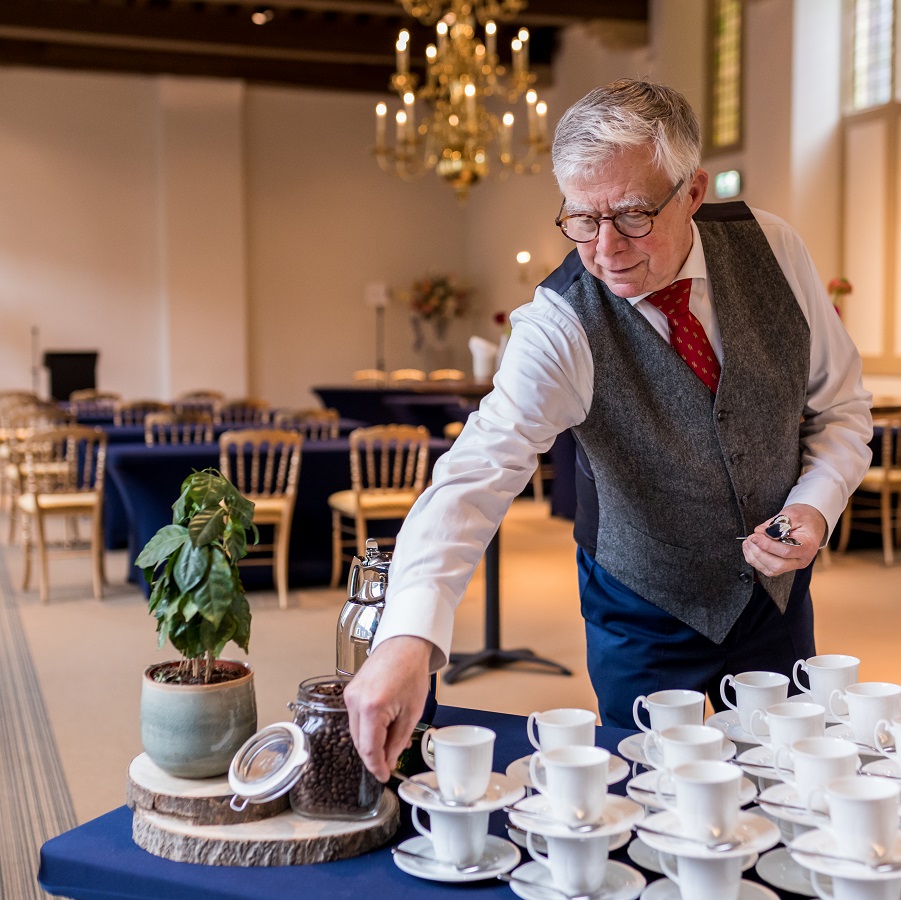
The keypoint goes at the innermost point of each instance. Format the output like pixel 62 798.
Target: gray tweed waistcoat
pixel 679 473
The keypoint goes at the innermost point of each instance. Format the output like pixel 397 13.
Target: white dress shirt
pixel 545 385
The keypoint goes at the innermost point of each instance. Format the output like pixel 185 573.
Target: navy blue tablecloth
pixel 99 860
pixel 148 479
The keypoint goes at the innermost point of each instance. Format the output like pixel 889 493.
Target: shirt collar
pixel 695 266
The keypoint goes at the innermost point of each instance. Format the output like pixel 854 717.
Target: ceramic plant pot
pixel 193 731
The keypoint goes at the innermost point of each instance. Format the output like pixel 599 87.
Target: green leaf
pixel 207 526
pixel 191 566
pixel 164 543
pixel 235 540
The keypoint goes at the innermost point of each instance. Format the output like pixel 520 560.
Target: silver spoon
pixel 547 887
pixel 578 829
pixel 719 846
pixel 873 864
pixel 429 790
pixel 463 870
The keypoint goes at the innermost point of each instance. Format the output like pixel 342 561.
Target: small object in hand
pixel 779 528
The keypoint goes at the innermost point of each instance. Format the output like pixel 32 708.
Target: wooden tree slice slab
pixel 284 840
pixel 201 801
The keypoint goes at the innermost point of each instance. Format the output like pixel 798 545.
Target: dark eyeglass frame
pixel 650 213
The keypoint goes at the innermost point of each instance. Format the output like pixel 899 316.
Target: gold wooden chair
pixel 92 395
pixel 133 412
pixel 247 412
pixel 17 424
pixel 883 515
pixel 63 477
pixel 447 375
pixel 198 401
pixel 406 375
pixel 201 395
pixel 375 376
pixel 388 469
pixel 264 465
pixel 178 428
pixel 313 424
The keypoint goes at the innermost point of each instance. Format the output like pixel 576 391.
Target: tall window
pixel 873 53
pixel 725 101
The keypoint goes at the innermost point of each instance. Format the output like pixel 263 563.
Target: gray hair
pixel 623 115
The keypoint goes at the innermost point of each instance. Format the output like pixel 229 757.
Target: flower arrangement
pixel 838 288
pixel 436 299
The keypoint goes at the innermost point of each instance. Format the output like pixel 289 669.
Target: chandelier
pixel 445 123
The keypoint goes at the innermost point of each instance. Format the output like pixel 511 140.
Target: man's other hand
pixel 385 700
pixel 771 557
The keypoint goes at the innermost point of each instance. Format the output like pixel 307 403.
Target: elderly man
pixel 711 388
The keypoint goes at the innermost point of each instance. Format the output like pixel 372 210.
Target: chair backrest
pixel 890 457
pixel 313 424
pixel 132 412
pixel 377 376
pixel 447 375
pixel 65 460
pixel 261 462
pixel 201 396
pixel 246 411
pixel 178 428
pixel 92 395
pixel 20 421
pixel 14 398
pixel 389 457
pixel 406 375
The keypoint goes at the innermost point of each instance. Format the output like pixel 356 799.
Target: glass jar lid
pixel 268 764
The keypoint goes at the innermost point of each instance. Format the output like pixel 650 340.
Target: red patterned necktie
pixel 686 333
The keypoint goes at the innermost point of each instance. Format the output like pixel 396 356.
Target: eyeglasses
pixel 632 223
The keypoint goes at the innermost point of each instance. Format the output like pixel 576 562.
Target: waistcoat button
pixel 744 577
pixel 721 415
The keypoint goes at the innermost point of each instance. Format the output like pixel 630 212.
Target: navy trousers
pixel 636 648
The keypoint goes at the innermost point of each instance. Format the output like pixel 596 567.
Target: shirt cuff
pixel 824 496
pixel 407 615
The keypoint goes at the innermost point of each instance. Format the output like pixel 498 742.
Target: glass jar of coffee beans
pixel 334 784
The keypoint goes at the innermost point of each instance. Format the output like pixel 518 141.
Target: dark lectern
pixel 71 371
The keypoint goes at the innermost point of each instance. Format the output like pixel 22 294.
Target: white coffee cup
pixel 577 864
pixel 863 815
pixel 855 889
pixel 462 756
pixel 458 836
pixel 868 702
pixel 667 709
pixel 705 879
pixel 887 737
pixel 681 744
pixel 811 763
pixel 574 779
pixel 787 722
pixel 708 798
pixel 753 690
pixel 826 673
pixel 561 728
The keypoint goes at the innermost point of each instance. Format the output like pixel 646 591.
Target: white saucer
pixel 822 841
pixel 632 748
pixel 788 794
pixel 887 768
pixel 756 834
pixel 664 889
pixel 648 858
pixel 781 871
pixel 621 882
pixel 864 751
pixel 620 814
pixel 617 770
pixel 758 762
pixel 643 789
pixel 518 836
pixel 499 856
pixel 728 722
pixel 502 791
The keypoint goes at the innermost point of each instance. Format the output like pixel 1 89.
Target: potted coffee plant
pixel 197 712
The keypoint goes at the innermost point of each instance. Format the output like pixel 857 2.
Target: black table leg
pixel 492 657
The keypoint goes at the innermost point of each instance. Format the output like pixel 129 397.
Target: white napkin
pixel 484 358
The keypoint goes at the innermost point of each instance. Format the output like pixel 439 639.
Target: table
pixel 99 861
pixel 148 479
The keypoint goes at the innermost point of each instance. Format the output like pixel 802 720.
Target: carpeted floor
pixel 34 797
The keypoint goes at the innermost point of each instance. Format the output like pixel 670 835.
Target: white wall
pixel 136 210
